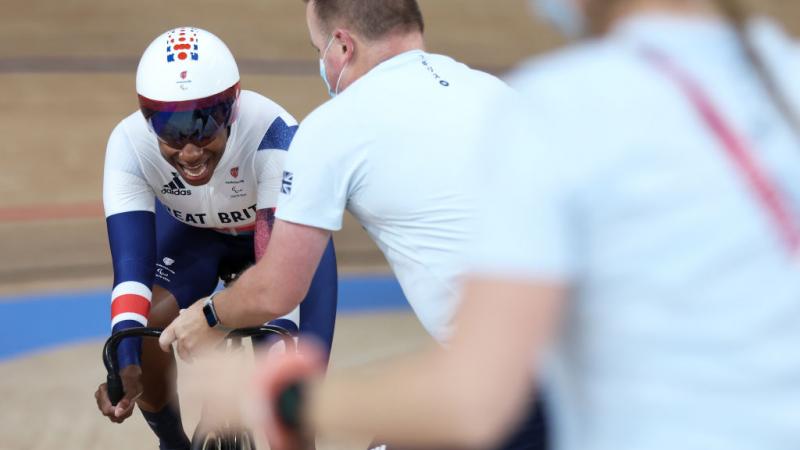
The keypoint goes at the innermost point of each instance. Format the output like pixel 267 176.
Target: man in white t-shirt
pixel 397 147
pixel 639 255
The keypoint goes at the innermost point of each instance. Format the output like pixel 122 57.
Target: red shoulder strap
pixel 734 147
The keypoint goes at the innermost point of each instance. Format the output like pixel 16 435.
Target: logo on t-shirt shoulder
pixel 286 185
pixel 434 73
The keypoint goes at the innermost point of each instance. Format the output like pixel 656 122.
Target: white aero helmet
pixel 188 86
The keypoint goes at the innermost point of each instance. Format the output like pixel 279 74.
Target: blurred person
pixel 190 187
pixel 639 257
pixel 398 146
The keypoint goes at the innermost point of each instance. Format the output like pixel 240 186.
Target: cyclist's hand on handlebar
pixel 132 383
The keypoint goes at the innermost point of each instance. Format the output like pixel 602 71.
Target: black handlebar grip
pixel 115 390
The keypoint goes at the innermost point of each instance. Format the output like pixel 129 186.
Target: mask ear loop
pixel 328 47
pixel 341 74
pixel 339 80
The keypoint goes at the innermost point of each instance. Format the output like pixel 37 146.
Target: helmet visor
pixel 190 122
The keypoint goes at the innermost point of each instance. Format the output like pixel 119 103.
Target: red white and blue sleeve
pixel 129 204
pixel 269 161
pixel 316 315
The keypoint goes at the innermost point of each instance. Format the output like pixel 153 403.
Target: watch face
pixel 211 316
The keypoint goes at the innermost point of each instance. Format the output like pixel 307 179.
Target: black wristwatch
pixel 211 314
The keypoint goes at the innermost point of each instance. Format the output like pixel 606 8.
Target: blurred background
pixel 67 76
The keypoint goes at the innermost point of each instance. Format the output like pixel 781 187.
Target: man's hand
pixel 191 333
pixel 132 383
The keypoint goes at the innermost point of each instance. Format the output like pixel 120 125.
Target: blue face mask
pixel 323 72
pixel 563 14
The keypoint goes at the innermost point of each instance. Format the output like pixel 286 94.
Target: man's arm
pixel 277 283
pixel 270 289
pixel 467 395
pixel 265 222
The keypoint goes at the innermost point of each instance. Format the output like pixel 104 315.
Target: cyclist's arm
pixel 316 317
pixel 265 221
pixel 270 160
pixel 129 204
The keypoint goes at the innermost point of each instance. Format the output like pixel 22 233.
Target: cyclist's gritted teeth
pixel 196 172
pixel 195 164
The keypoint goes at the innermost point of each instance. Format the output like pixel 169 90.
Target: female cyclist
pixel 190 187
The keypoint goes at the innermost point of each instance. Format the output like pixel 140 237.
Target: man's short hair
pixel 372 19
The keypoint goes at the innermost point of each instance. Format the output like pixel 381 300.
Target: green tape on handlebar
pixel 290 405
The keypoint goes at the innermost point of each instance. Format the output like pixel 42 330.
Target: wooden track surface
pixel 67 77
pixel 48 401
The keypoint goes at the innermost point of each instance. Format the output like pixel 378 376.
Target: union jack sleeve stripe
pixel 131 287
pixel 130 303
pixel 130 300
pixel 128 317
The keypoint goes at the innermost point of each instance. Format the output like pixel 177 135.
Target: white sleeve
pixel 269 173
pixel 124 186
pixel 271 155
pixel 320 173
pixel 528 228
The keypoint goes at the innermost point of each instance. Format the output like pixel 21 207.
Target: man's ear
pixel 345 39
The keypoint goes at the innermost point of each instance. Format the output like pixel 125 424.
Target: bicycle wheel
pixel 207 441
pixel 228 440
pixel 241 440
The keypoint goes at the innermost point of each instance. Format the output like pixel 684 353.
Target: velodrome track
pixel 66 77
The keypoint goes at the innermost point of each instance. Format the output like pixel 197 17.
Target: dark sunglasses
pixel 194 122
